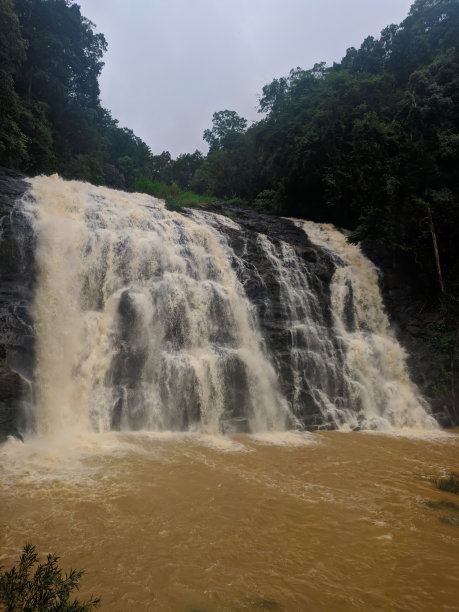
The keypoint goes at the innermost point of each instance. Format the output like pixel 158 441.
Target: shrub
pixel 47 590
pixel 174 197
pixel 268 201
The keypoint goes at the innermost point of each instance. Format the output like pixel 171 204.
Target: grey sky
pixel 172 63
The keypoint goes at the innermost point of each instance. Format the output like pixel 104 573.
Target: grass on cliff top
pixel 175 197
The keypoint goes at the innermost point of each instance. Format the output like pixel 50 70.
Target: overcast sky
pixel 171 64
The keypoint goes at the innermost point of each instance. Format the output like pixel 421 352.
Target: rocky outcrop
pixel 16 286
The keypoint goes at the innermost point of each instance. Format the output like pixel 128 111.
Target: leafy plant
pixel 46 590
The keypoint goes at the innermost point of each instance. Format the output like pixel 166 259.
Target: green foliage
pixel 183 169
pixel 51 119
pixel 190 198
pixel 229 170
pixel 13 142
pixel 226 127
pixel 46 590
pixel 174 197
pixel 239 202
pixel 443 338
pixel 268 201
pixel 370 143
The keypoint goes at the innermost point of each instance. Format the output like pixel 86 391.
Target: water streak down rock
pixel 135 317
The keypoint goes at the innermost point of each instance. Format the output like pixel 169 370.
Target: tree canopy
pixel 370 143
pixel 51 118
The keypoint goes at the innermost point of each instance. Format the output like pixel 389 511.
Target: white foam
pixel 285 438
pixel 40 461
pixel 224 444
pixel 429 435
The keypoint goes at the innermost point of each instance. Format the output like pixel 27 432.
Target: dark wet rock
pixel 411 312
pixel 261 284
pixel 16 288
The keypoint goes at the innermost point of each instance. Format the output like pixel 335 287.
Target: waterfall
pixel 141 321
pixel 150 319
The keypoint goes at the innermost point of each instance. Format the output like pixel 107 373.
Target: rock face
pixel 260 275
pixel 16 288
pixel 406 308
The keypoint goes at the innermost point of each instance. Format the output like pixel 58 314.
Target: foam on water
pixel 70 460
pixel 286 438
pixel 429 435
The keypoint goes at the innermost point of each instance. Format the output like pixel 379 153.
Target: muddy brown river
pixel 294 521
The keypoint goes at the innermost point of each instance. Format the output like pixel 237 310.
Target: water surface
pixel 291 521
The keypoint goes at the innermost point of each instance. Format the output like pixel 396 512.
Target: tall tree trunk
pixel 435 246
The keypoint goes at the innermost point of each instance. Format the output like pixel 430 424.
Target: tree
pixel 64 56
pixel 226 127
pixel 183 169
pixel 160 166
pixel 57 84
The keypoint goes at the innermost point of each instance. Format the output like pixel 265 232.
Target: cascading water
pixel 140 319
pixel 315 360
pixel 373 364
pixel 146 319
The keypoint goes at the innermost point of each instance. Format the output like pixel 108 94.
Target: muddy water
pixel 324 521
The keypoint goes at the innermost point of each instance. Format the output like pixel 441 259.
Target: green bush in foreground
pixel 47 590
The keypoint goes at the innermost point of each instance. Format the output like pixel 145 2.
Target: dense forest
pixel 52 119
pixel 370 143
